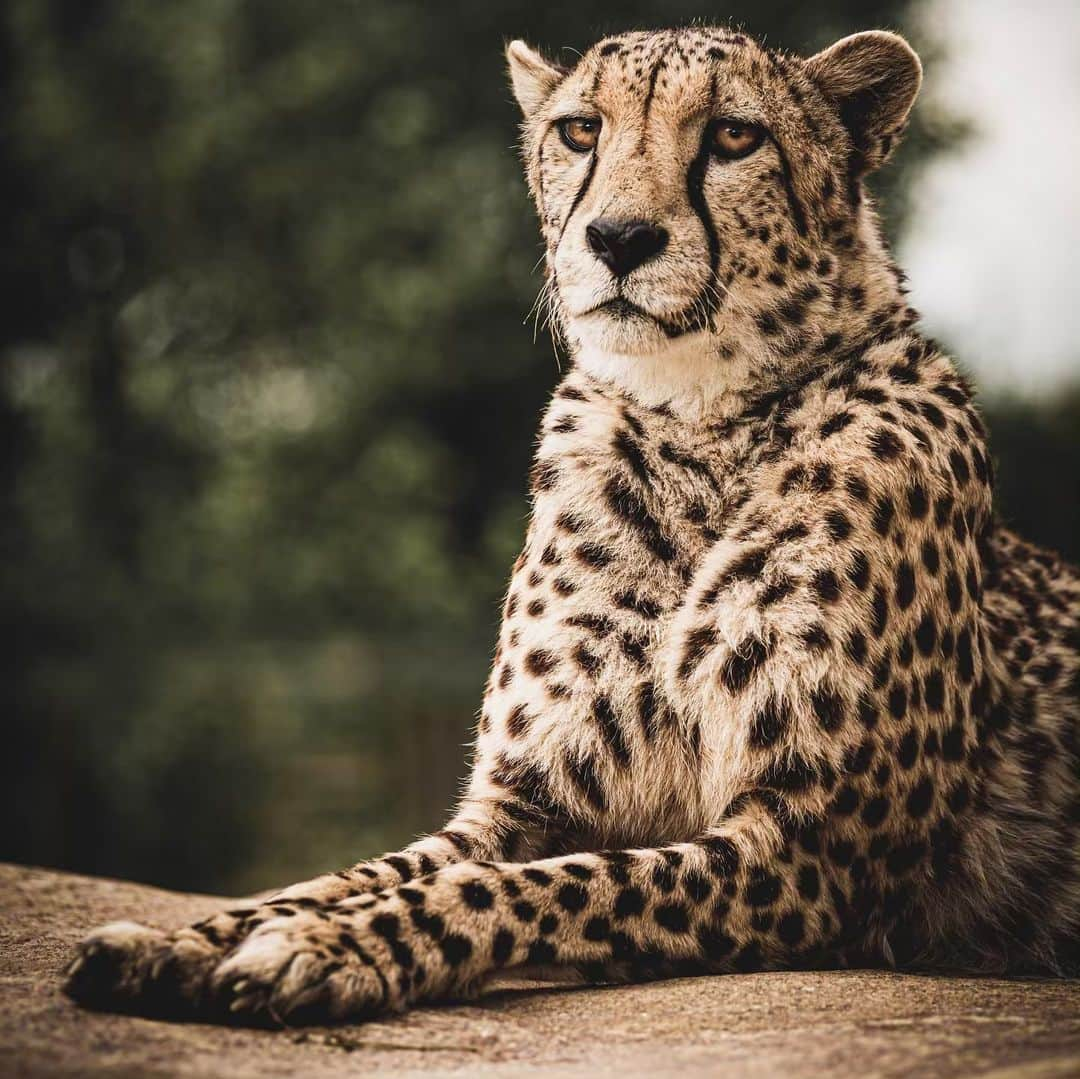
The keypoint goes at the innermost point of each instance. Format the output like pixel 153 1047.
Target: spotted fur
pixel 773 688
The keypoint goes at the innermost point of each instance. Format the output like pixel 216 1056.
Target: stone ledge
pixel 865 1023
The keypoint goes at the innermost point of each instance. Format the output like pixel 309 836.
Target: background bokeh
pixel 268 395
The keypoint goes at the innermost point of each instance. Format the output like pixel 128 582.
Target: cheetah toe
pixel 279 976
pixel 131 968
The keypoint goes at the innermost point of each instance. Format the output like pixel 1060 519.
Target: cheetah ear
pixel 532 77
pixel 873 79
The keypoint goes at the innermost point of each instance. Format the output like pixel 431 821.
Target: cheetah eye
pixel 580 133
pixel 733 139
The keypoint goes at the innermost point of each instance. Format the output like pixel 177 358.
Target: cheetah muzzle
pixel 773 688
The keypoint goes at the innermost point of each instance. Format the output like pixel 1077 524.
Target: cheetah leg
pixel 723 903
pixel 130 967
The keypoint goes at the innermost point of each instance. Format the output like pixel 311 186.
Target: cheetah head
pixel 689 182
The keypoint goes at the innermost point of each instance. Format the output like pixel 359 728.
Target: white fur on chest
pixel 692 380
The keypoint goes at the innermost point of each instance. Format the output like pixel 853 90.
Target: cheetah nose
pixel 623 246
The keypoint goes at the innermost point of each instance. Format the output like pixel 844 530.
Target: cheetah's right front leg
pixel 129 967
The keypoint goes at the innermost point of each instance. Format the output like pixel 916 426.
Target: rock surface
pixel 864 1023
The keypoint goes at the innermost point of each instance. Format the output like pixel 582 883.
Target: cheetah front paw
pixel 307 969
pixel 132 968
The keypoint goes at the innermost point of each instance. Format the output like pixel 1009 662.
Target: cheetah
pixel 773 688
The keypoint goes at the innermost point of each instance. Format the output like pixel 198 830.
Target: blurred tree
pixel 266 408
pixel 1036 447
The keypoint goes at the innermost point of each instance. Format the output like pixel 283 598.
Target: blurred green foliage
pixel 266 409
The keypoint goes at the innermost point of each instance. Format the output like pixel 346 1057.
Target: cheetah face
pixel 672 172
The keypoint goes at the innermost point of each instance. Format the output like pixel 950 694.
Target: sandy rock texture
pixel 864 1023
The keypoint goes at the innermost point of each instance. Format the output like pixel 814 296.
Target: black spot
pixel 646 707
pixel 622 947
pixel 747 566
pixel 769 724
pixel 539 662
pixel 673 917
pixel 524 911
pixel 647 608
pixel 582 772
pixel 822 478
pixel 882 671
pixel 744 662
pixel 611 730
pixel 884 444
pixel 838 525
pixel 846 801
pixel 572 897
pixel 926 634
pixel 959 467
pixel 859 571
pixel 841 851
pixel 723 855
pixel 518 722
pixel 880 611
pixel 627 504
pixel 952 743
pixel 931 557
pixel 827 586
pixel 544 475
pixel 809 882
pixel 858 488
pixel 749 959
pixel 953 591
pixel 476 895
pixel 594 556
pixel 905 585
pixel 596 929
pixel 629 902
pixel 761 921
pixel 790 928
pixel 714 944
pixel 455 948
pixel 541 953
pixel 905 857
pixel 386 926
pixel 934 691
pixel 780 589
pixel 598 624
pixel 908 751
pixel 965 661
pixel 959 797
pixel 875 811
pixel 578 870
pixel 790 773
pixel 696 646
pixel 502 946
pixel 663 876
pixel 856 646
pixel 884 512
pixel 920 799
pixel 763 888
pixel 918 502
pixel 836 423
pixel 828 708
pixel 898 701
pixel 697 886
